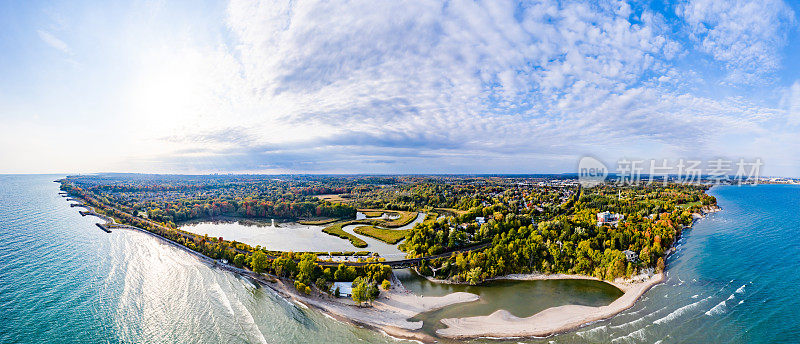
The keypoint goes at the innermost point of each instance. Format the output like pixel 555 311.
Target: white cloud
pixel 471 72
pixel 745 35
pixel 53 42
pixel 791 102
pixel 318 82
pixel 424 86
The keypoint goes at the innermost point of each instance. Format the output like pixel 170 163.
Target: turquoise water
pixel 63 280
pixel 734 278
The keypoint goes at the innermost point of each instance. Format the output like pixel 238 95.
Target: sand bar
pixel 550 321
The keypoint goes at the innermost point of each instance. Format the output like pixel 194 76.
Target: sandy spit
pixel 549 321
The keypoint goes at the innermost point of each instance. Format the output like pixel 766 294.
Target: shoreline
pixel 560 319
pixel 389 314
pixel 550 321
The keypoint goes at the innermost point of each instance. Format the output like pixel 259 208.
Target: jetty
pixel 103 227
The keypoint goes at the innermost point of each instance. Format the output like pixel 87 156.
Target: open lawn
pixel 450 211
pixel 389 236
pixel 369 213
pixel 405 218
pixel 688 205
pixel 335 198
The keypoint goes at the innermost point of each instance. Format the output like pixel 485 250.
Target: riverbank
pixel 549 321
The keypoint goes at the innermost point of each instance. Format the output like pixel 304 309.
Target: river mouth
pixel 520 298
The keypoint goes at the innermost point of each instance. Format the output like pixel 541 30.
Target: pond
pixel 521 298
pixel 292 236
pixel 286 236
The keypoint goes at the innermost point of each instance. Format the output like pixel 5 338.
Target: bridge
pixel 406 263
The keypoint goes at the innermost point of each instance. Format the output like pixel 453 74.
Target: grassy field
pixel 317 221
pixel 389 236
pixel 372 213
pixel 450 211
pixel 405 218
pixel 335 198
pixel 687 205
pixel 336 229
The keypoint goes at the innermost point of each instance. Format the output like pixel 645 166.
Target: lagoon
pixel 520 298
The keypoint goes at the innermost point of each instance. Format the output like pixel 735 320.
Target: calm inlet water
pixel 733 279
pixel 521 298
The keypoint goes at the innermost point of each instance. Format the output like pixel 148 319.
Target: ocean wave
pixel 249 320
pixel 638 311
pixel 741 289
pixel 718 309
pixel 592 332
pixel 678 312
pixel 638 334
pixel 639 320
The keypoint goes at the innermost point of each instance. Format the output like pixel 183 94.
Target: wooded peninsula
pixel 475 228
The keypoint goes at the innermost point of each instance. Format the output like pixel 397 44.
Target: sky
pixel 395 86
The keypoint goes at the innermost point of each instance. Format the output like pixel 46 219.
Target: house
pixel 345 288
pixel 608 218
pixel 480 220
pixel 630 255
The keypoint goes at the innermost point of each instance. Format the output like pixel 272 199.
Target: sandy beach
pixel 389 313
pixel 549 321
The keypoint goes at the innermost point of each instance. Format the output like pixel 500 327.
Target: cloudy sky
pixel 395 87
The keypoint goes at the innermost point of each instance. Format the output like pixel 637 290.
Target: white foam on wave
pixel 592 332
pixel 638 334
pixel 695 296
pixel 632 323
pixel 221 297
pixel 741 289
pixel 718 309
pixel 678 312
pixel 637 321
pixel 638 311
pixel 249 320
pixel 300 304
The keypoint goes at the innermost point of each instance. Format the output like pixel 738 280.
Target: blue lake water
pixel 734 278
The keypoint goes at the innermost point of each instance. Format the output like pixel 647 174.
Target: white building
pixel 608 218
pixel 345 288
pixel 630 255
